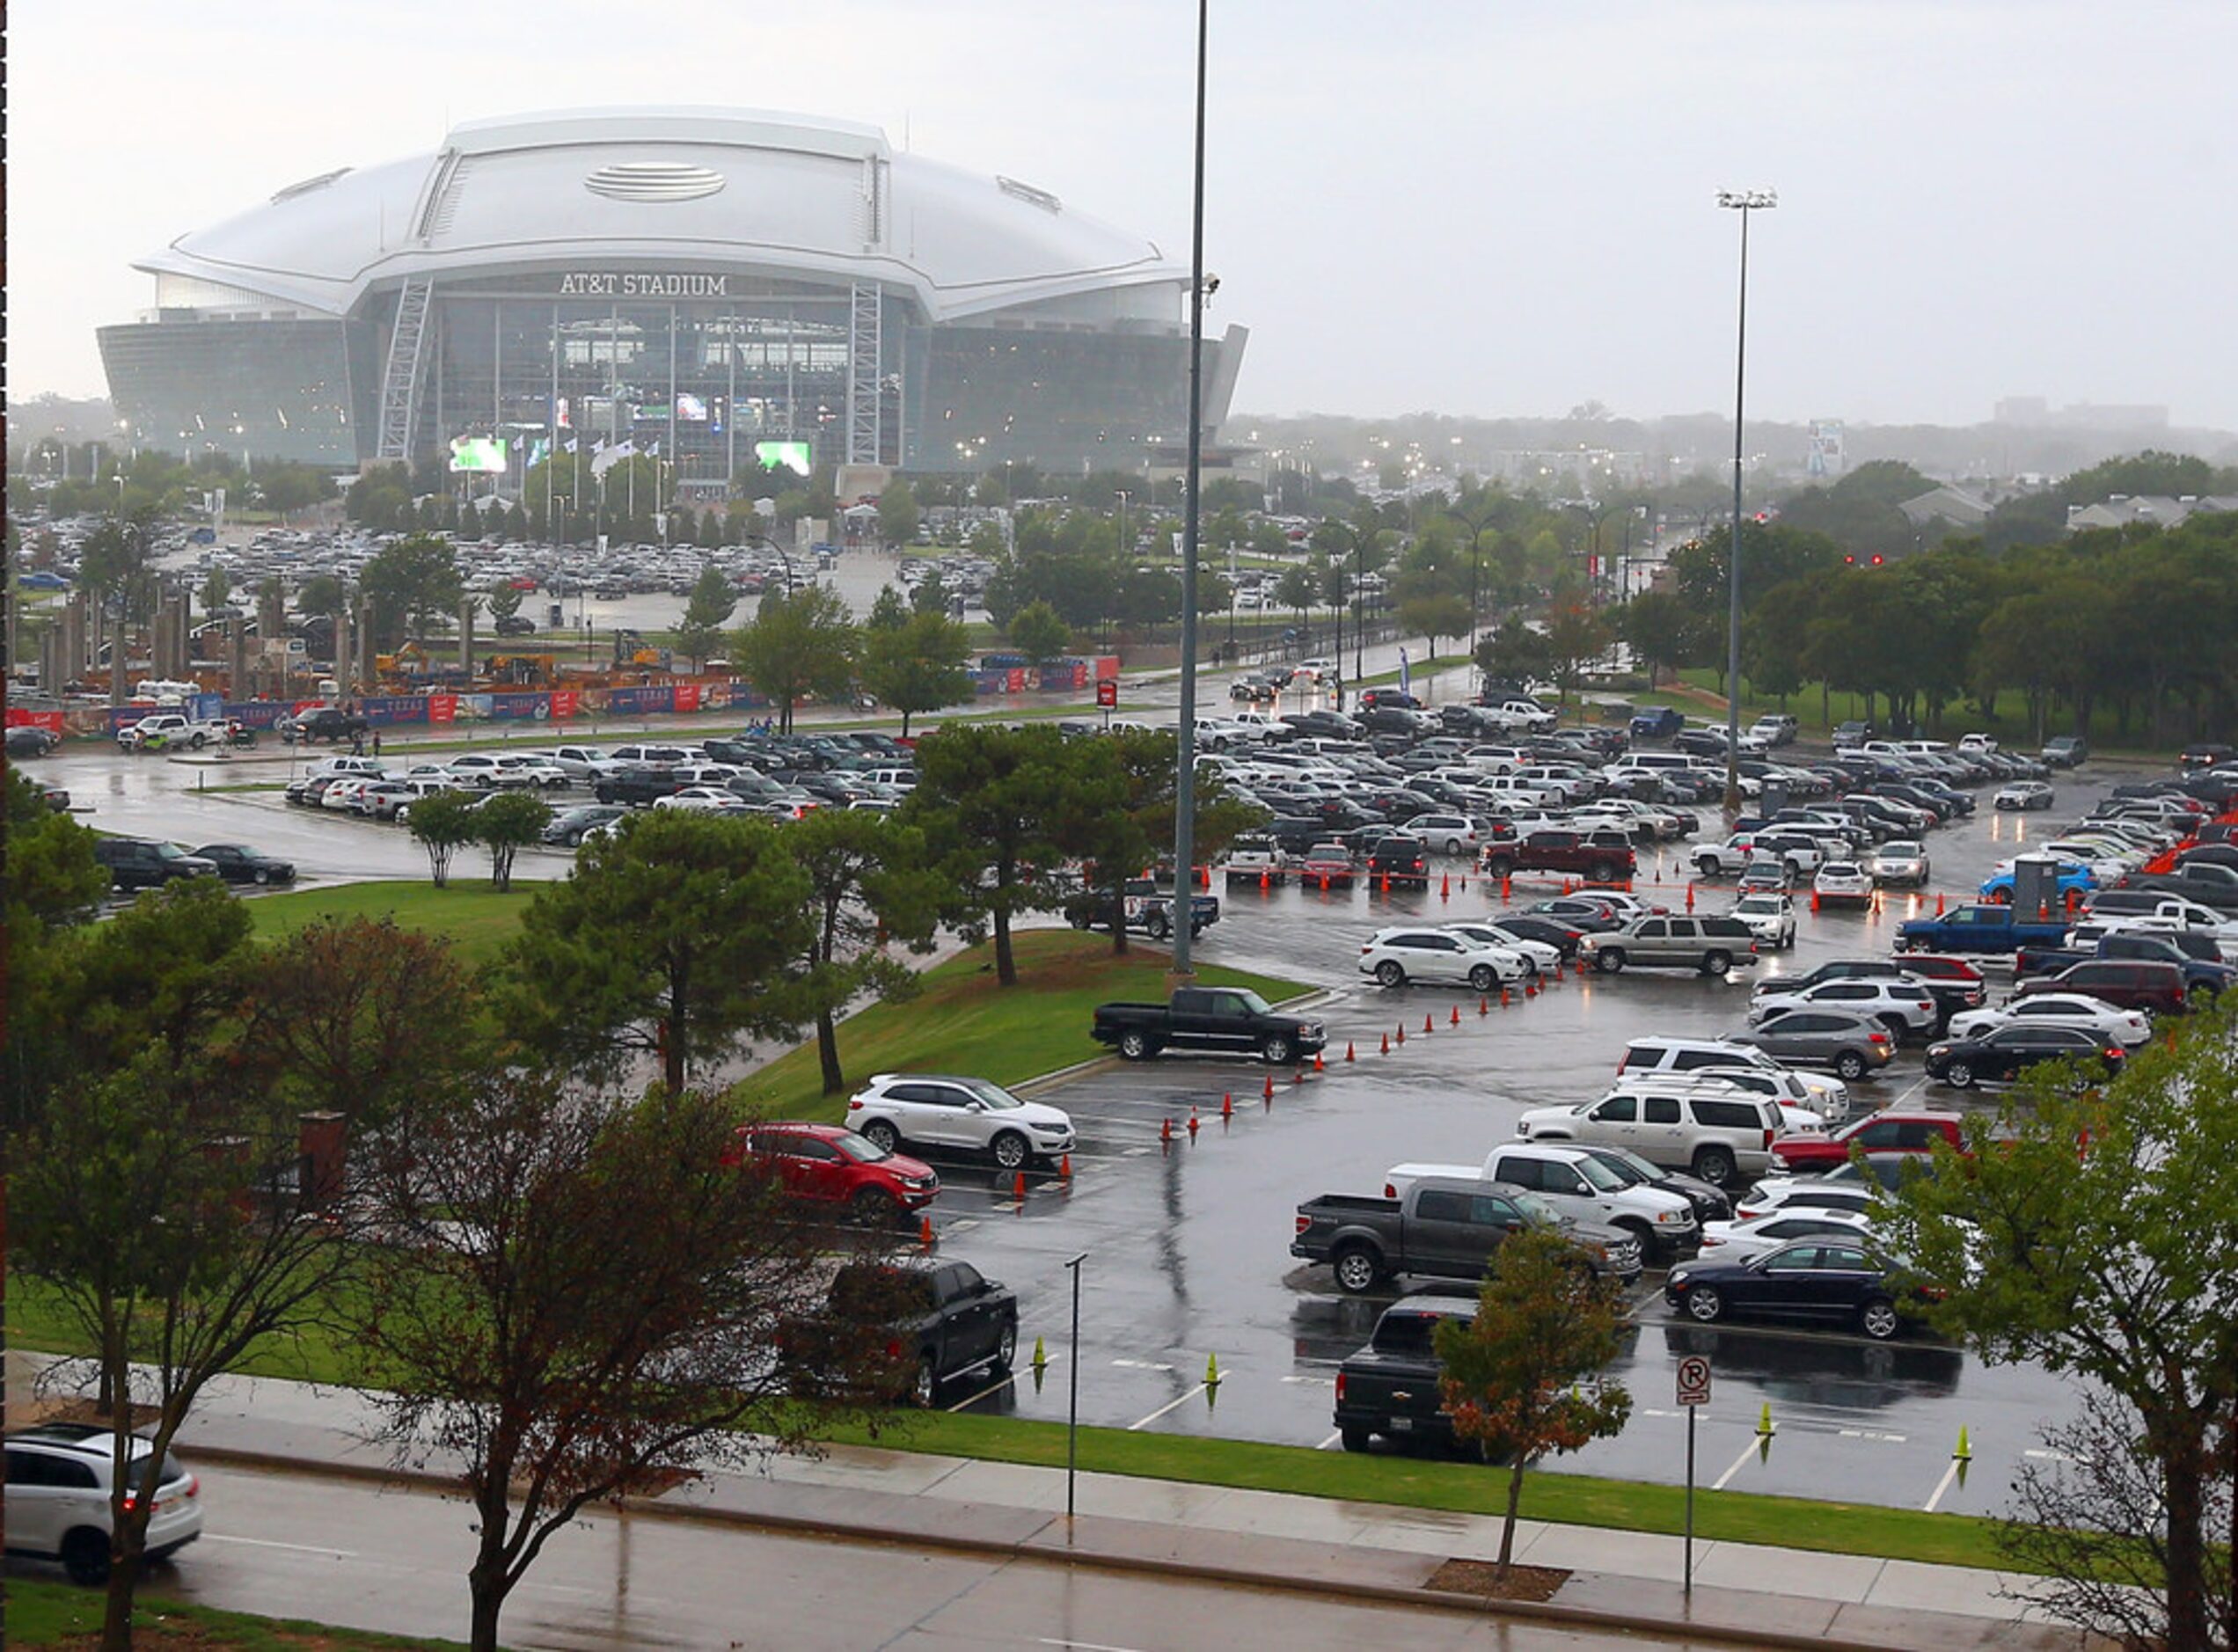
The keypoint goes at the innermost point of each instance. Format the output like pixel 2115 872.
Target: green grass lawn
pixel 44 1614
pixel 963 1022
pixel 470 914
pixel 1838 1528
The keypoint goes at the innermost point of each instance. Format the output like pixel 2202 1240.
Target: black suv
pixel 1398 858
pixel 323 722
pixel 140 863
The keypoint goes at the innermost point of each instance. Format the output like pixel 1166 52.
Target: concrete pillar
pixel 53 660
pixel 237 658
pixel 466 636
pixel 73 629
pixel 364 631
pixel 345 653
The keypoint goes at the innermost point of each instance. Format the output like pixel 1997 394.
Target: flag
pixel 653 452
pixel 568 446
pixel 607 458
pixel 1406 672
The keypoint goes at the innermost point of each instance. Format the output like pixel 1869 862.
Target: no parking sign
pixel 1693 1380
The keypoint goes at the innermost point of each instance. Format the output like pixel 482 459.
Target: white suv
pixel 1722 1134
pixel 1397 956
pixel 931 1110
pixel 59 1478
pixel 1903 1005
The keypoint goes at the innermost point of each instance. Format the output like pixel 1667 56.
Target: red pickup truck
pixel 1598 856
pixel 1889 1131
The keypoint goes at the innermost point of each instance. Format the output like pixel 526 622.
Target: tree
pixel 869 884
pixel 1515 653
pixel 1660 631
pixel 918 666
pixel 675 938
pixel 358 1017
pixel 897 513
pixel 1121 809
pixel 216 588
pixel 800 646
pixel 1575 636
pixel 1434 616
pixel 1511 1378
pixel 887 612
pixel 411 585
pixel 579 1301
pixel 991 802
pixel 2073 1234
pixel 323 594
pixel 503 825
pixel 52 885
pixel 160 1209
pixel 441 825
pixel 713 600
pixel 931 595
pixel 1037 632
pixel 503 601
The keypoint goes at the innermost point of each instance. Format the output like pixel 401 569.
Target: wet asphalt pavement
pixel 1186 1244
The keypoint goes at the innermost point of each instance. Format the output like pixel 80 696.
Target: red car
pixel 824 1165
pixel 1888 1131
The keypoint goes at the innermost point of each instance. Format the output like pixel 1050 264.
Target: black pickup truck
pixel 641 785
pixel 1444 1227
pixel 902 1331
pixel 1231 1021
pixel 1147 910
pixel 1390 1387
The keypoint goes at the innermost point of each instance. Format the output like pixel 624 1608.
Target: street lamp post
pixel 1185 777
pixel 1744 201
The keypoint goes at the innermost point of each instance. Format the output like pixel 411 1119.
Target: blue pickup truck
pixel 1985 928
pixel 1658 723
pixel 2074 878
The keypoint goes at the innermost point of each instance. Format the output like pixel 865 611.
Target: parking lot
pixel 1187 1240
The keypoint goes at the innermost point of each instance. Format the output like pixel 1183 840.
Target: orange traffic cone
pixel 1317 1062
pixel 1018 1187
pixel 1267 1090
pixel 1483 1007
pixel 1387 884
pixel 1192 1124
pixel 1297 1077
pixel 1503 997
pixel 1456 1015
pixel 1938 904
pixel 1347 1050
pixel 1814 900
pixel 1445 886
pixel 1690 897
pixel 1165 1130
pixel 1506 890
pixel 1064 1168
pixel 1400 1036
pixel 924 1233
pixel 1531 988
pixel 1227 1104
pixel 1385 1050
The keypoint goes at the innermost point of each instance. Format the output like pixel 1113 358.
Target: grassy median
pixel 43 1613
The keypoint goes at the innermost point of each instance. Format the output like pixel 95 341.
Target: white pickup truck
pixel 171 729
pixel 1577 1185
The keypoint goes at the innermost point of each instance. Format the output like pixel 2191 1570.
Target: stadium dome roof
pixel 651 187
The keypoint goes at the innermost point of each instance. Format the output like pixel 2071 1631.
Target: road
pixel 395 1560
pixel 1188 1242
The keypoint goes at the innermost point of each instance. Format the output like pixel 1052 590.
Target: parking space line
pixel 1739 1462
pixel 1332 1440
pixel 1169 1406
pixel 1941 1486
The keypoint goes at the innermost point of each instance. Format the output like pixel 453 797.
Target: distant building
pixel 1952 505
pixel 738 291
pixel 2035 410
pixel 2124 508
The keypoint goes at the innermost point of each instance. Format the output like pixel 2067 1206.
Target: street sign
pixel 1107 691
pixel 1693 1380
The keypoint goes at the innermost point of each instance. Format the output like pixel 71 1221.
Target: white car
pixel 59 1477
pixel 2127 1028
pixel 1446 834
pixel 1899 860
pixel 931 1110
pixel 1740 1241
pixel 474 768
pixel 2022 794
pixel 1770 917
pixel 1395 957
pixel 1841 883
pixel 704 799
pixel 1904 1005
pixel 1977 744
pixel 1839 1190
pixel 529 769
pixel 1803 1096
pixel 1539 958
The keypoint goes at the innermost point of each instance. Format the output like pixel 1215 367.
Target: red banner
pixel 17 718
pixel 1015 680
pixel 565 703
pixel 687 697
pixel 442 708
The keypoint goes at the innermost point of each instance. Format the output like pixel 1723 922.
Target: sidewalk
pixel 1744 1594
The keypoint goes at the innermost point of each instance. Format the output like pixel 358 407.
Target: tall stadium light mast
pixel 1185 737
pixel 1744 201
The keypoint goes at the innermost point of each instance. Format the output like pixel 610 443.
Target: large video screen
pixel 792 456
pixel 482 455
pixel 689 409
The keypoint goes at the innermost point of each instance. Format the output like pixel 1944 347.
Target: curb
pixel 1032 1551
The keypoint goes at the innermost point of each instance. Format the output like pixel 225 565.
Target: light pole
pixel 1744 201
pixel 1185 744
pixel 1476 526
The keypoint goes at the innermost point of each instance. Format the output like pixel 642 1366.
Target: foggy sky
pixel 1474 207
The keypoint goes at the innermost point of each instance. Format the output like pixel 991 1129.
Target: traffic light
pixel 1878 560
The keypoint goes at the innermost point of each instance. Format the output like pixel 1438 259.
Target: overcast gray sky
pixel 1466 206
